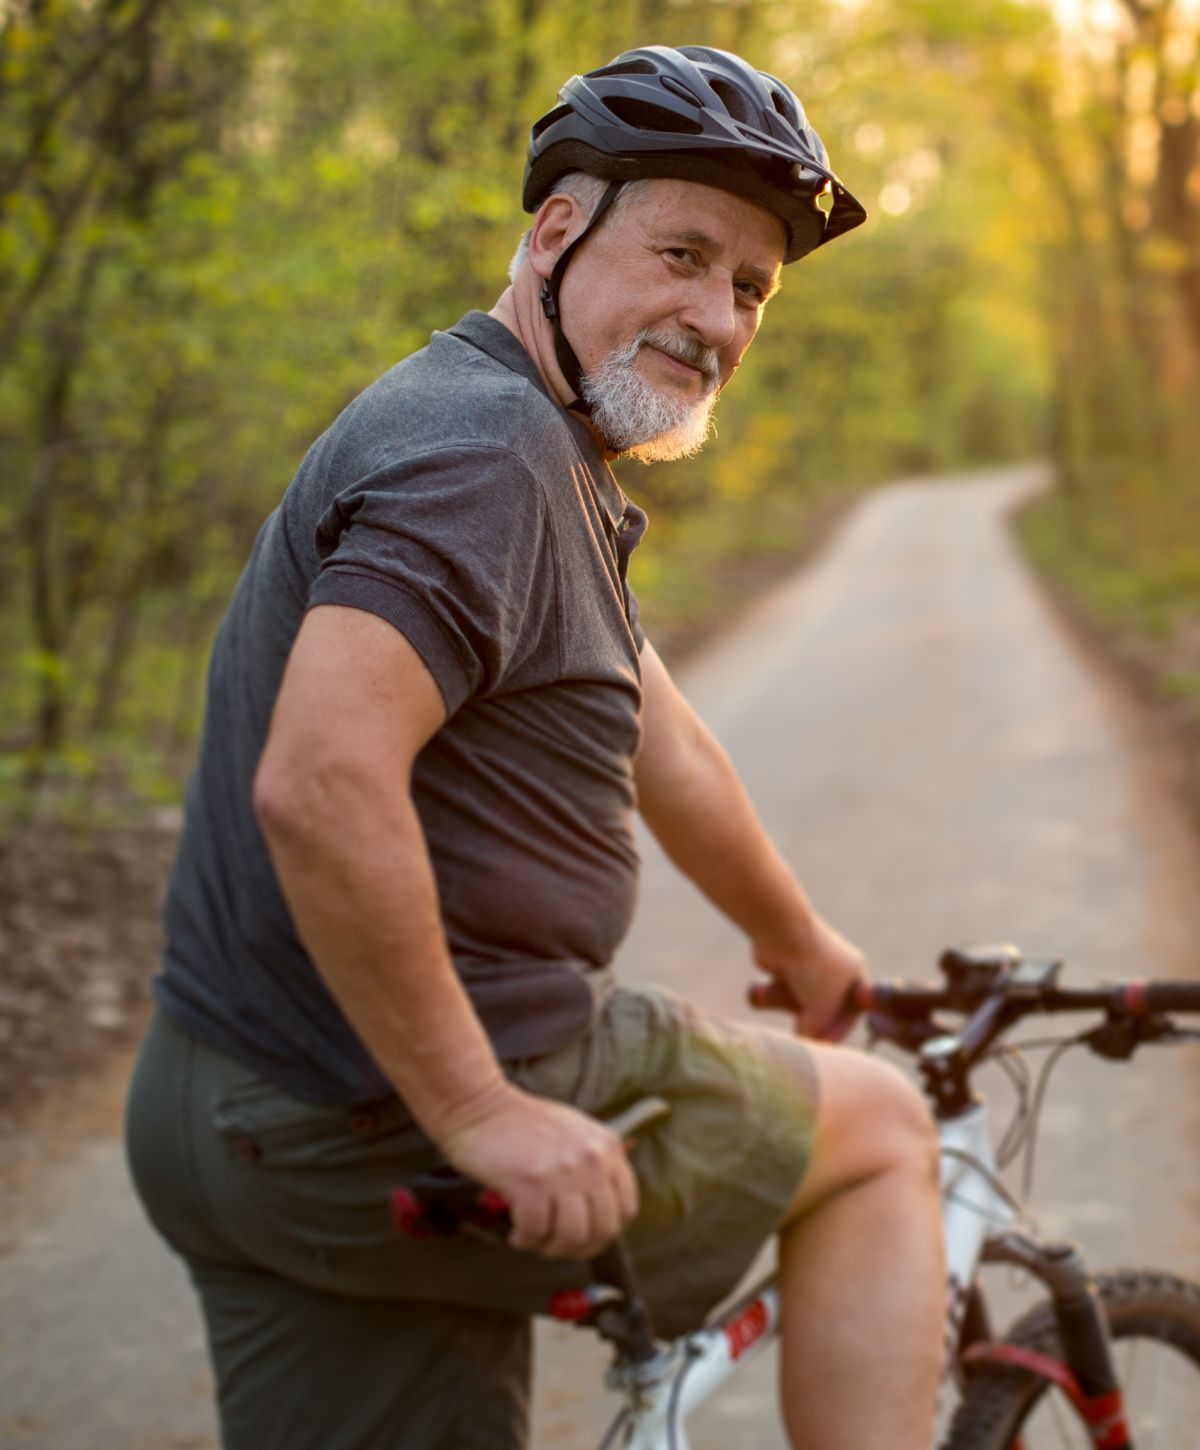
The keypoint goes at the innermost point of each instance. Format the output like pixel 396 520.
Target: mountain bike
pixel 1109 1361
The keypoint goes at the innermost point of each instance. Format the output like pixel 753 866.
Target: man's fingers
pixel 533 1220
pixel 607 1218
pixel 565 1176
pixel 570 1224
pixel 573 1236
pixel 819 1026
pixel 626 1186
pixel 839 1028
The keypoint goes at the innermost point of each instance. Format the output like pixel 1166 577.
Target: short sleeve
pixel 635 623
pixel 630 532
pixel 452 548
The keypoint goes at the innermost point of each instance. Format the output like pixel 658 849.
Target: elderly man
pixel 408 858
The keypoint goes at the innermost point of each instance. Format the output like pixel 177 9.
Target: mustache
pixel 684 350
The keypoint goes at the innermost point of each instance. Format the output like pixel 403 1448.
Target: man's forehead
pixel 693 214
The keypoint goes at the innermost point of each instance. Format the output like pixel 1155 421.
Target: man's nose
pixel 709 314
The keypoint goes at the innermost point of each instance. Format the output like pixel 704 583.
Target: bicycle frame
pixel 662 1393
pixel 991 988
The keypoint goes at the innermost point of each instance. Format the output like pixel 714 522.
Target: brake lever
pixel 1118 1038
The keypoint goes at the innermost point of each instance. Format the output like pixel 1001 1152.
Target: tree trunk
pixel 50 615
pixel 131 590
pixel 1178 206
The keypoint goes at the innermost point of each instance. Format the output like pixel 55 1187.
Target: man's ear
pixel 558 222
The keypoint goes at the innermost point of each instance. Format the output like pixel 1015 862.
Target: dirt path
pixel 944 762
pixel 941 762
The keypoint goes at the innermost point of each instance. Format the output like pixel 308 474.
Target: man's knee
pixel 871 1120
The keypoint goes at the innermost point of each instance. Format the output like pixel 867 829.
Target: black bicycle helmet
pixel 699 115
pixel 695 114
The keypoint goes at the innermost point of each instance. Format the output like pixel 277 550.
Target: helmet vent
pixel 549 120
pixel 677 88
pixel 731 99
pixel 625 68
pixel 645 116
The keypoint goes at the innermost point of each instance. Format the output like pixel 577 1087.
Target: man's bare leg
pixel 863 1267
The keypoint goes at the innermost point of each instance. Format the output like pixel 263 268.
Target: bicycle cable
pixel 1039 1098
pixel 673 1405
pixel 990 1177
pixel 1022 1131
pixel 619 1424
pixel 1015 1068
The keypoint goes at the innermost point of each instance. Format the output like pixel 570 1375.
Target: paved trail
pixel 941 765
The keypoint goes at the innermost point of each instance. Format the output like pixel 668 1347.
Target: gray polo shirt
pixel 456 500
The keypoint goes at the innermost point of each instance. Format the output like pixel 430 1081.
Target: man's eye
pixel 751 290
pixel 683 254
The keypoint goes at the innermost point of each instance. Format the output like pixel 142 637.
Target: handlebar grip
pixel 772 996
pixel 1147 997
pixel 777 996
pixel 440 1204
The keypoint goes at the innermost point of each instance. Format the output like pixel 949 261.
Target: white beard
pixel 634 419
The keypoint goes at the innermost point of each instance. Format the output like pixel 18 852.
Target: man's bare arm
pixel 691 797
pixel 333 798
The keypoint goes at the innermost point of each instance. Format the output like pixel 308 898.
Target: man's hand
pixel 566 1178
pixel 818 971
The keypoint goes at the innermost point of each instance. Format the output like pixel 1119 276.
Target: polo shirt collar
pixel 483 331
pixel 488 335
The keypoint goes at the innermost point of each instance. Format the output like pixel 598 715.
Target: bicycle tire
pixel 1140 1304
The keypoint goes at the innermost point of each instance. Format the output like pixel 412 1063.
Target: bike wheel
pixel 1154 1320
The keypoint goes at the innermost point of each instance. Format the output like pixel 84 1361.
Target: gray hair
pixel 587 191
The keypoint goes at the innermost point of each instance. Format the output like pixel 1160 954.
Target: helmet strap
pixel 568 363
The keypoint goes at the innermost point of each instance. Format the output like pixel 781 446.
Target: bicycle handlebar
pixel 915 1000
pixel 992 1001
pixel 1164 996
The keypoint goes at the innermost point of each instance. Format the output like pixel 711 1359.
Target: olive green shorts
pixel 328 1330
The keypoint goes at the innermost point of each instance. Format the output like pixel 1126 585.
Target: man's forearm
pixel 704 819
pixel 364 901
pixel 702 815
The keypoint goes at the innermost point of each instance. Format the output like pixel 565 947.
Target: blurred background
pixel 219 221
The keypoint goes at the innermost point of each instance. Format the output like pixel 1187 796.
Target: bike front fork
pixel 1085 1371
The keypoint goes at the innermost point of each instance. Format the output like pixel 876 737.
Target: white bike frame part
pixel 662 1394
pixel 974 1209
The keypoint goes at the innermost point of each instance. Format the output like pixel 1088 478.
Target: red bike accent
pixel 572 1306
pixel 1135 997
pixel 864 996
pixel 1104 1415
pixel 407 1215
pixel 749 1326
pixel 491 1208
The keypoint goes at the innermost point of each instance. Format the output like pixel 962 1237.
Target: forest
pixel 219 222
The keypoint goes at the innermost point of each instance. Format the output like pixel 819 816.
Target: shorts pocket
pixel 267 1128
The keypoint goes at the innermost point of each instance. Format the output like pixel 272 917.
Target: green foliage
pixel 1126 573
pixel 219 222
pixel 1181 685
